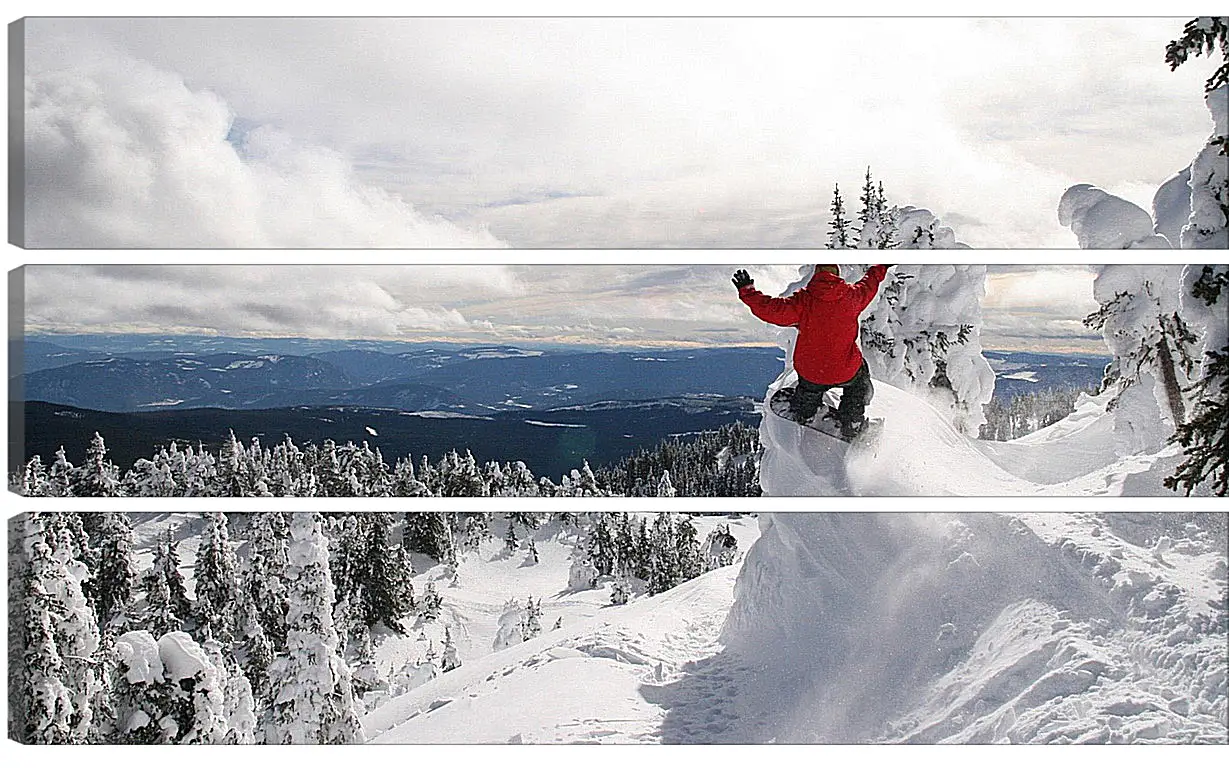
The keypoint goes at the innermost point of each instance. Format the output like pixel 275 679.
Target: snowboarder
pixel 826 354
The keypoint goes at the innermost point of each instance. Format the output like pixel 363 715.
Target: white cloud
pixel 122 154
pixel 649 132
pixel 1025 307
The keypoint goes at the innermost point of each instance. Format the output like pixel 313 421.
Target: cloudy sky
pixel 1026 307
pixel 587 132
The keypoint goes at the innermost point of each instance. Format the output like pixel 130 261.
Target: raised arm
pixel 865 289
pixel 785 312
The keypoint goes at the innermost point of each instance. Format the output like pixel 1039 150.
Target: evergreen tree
pixel 168 691
pixel 256 647
pixel 533 618
pixel 619 592
pixel 687 546
pixel 721 548
pixel 160 613
pixel 313 701
pixel 511 542
pixel 869 214
pixel 665 488
pixel 1154 351
pixel 45 704
pixel 839 235
pixel 432 602
pixel 265 579
pixel 1203 436
pixel 117 573
pixel 34 478
pixel 431 534
pixel 885 235
pixel 216 581
pixel 98 476
pixel 664 568
pixel 238 702
pixel 449 660
pixel 60 476
pixel 384 573
pixel 1199 36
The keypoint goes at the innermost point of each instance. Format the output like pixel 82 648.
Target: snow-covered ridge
pixel 920 453
pixel 980 628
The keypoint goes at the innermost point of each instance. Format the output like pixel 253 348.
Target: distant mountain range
pixel 470 380
pixel 555 406
pixel 1019 372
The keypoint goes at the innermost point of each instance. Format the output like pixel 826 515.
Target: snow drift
pixel 980 628
pixel 920 453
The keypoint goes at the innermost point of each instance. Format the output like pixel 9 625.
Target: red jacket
pixel 825 313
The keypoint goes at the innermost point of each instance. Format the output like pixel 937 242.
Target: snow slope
pixel 980 628
pixel 606 675
pixel 859 627
pixel 921 454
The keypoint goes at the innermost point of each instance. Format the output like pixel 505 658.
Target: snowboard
pixel 824 421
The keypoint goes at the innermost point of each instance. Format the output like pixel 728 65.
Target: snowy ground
pixel 1022 628
pixel 851 628
pixel 839 628
pixel 603 676
pixel 920 454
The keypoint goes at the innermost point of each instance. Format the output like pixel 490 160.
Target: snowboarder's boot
pixel 851 429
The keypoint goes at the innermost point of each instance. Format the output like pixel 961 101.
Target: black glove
pixel 741 279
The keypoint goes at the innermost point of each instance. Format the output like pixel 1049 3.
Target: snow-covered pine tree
pixel 346 533
pixel 720 548
pixel 431 603
pixel 687 545
pixel 116 576
pixel 533 618
pixel 43 709
pixel 449 659
pixel 885 234
pixel 512 624
pixel 869 214
pixel 151 478
pixel 665 488
pixel 1153 351
pixel 511 542
pixel 33 478
pixel 581 573
pixel 384 573
pixel 97 476
pixel 922 332
pixel 664 570
pixel 238 702
pixel 168 691
pixel 60 475
pixel 475 528
pixel 78 640
pixel 1203 434
pixel 1207 178
pixel 217 585
pixel 161 615
pixel 1201 36
pixel 254 645
pixel 619 591
pixel 313 700
pixel 265 579
pixel 839 236
pixel 601 549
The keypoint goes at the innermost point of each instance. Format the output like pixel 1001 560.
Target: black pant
pixel 855 396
